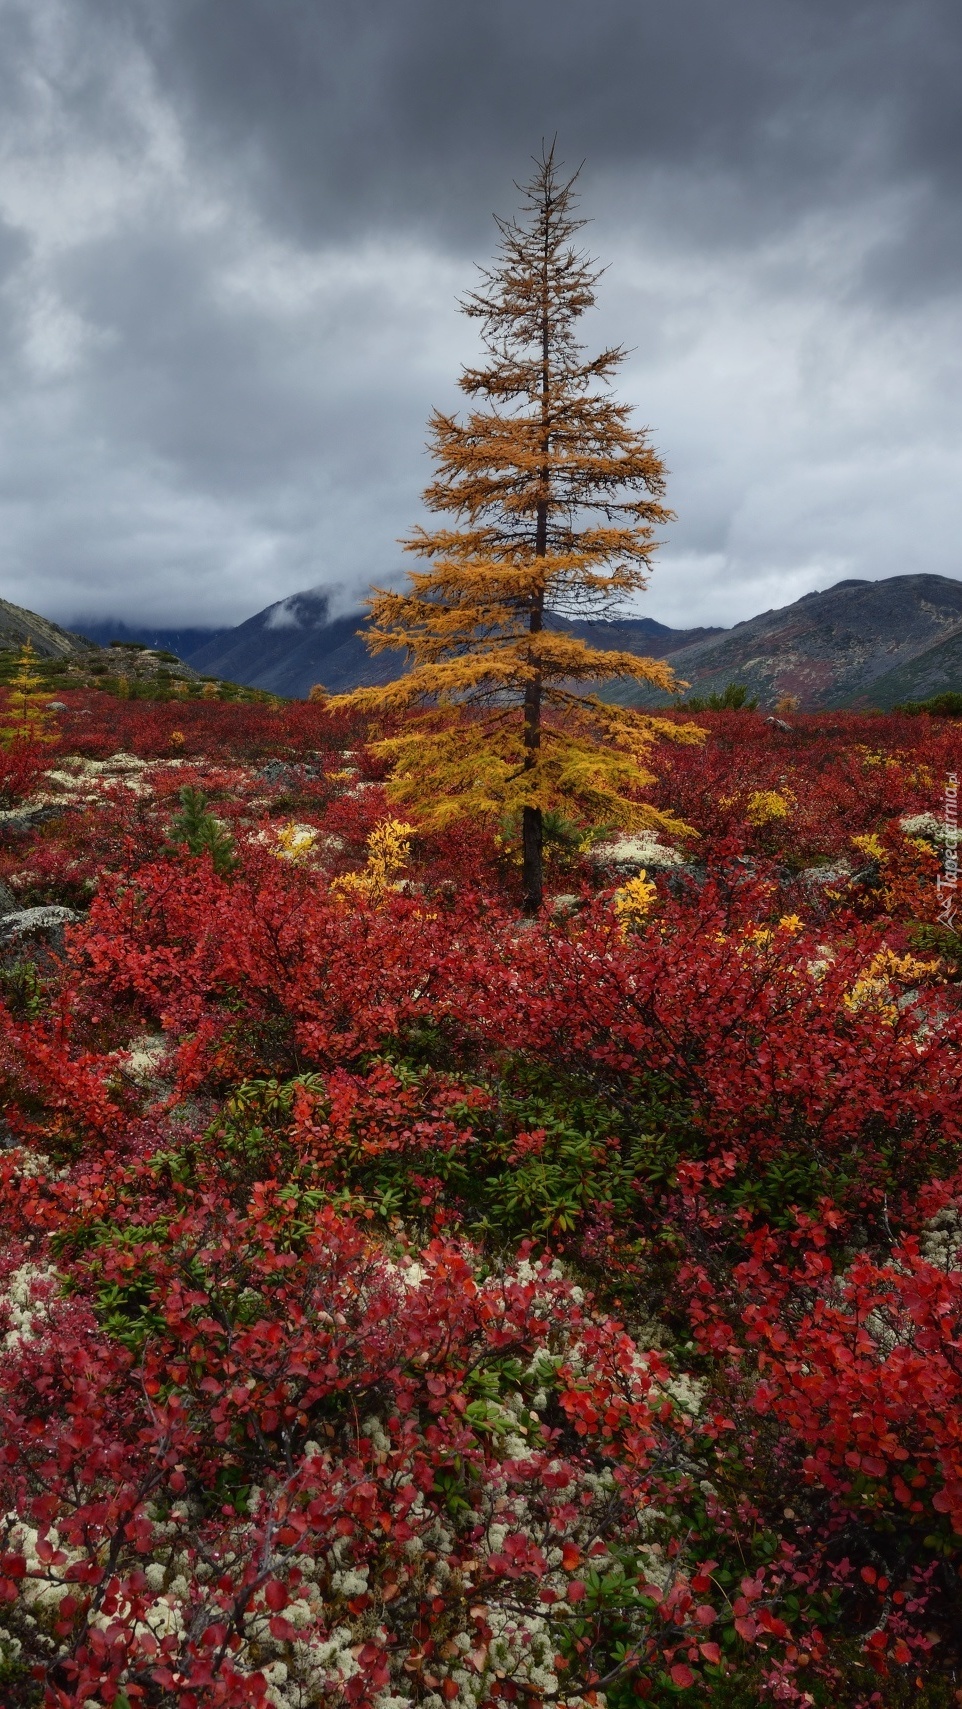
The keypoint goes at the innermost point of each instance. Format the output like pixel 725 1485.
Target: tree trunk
pixel 532 826
pixel 532 835
pixel 533 877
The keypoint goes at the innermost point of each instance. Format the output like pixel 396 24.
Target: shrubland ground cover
pixel 404 1302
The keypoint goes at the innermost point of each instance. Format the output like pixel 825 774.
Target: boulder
pixel 28 815
pixel 818 877
pixel 44 924
pixel 929 828
pixel 559 907
pixel 629 854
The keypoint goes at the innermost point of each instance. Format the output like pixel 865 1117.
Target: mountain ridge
pixel 859 643
pixel 827 648
pixel 333 652
pixel 48 640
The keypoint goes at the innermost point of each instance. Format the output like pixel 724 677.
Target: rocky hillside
pixel 65 660
pixel 859 643
pixel 936 671
pixel 48 640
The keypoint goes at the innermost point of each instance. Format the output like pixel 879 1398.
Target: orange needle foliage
pixel 553 499
pixel 25 718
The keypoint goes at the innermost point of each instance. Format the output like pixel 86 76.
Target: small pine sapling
pixel 202 833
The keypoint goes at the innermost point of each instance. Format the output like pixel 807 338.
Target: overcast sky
pixel 233 233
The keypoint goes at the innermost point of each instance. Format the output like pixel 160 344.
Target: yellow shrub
pixel 388 848
pixel 633 902
pixel 870 845
pixel 873 989
pixel 295 842
pixel 789 925
pixel 767 805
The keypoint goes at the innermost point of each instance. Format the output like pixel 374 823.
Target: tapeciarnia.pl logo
pixel 948 880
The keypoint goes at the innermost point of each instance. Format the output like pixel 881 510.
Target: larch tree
pixel 552 499
pixel 25 717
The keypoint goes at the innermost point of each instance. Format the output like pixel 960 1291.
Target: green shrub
pixel 948 705
pixel 734 698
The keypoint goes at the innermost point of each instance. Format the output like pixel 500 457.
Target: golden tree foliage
pixel 25 717
pixel 553 499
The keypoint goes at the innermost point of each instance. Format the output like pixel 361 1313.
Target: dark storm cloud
pixel 341 115
pixel 234 231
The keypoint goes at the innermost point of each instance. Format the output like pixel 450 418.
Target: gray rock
pixel 681 879
pixel 45 922
pixel 26 816
pixel 8 901
pixel 628 854
pixel 561 906
pixel 932 829
pixel 817 877
pixel 56 706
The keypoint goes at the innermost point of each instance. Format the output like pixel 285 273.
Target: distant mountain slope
pixel 641 635
pixel 292 645
pixel 829 648
pixel 64 659
pixel 183 642
pixel 936 671
pixel 18 625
